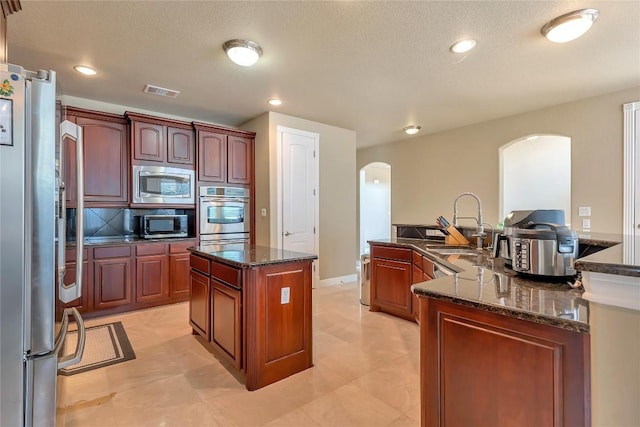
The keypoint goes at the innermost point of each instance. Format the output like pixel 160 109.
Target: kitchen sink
pixel 454 251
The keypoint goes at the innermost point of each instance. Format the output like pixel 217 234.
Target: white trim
pixel 631 143
pixel 612 289
pixel 276 240
pixel 332 281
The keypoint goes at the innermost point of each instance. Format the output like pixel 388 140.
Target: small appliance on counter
pixel 537 243
pixel 162 226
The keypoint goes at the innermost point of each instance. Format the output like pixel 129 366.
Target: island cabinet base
pixel 484 369
pixel 257 317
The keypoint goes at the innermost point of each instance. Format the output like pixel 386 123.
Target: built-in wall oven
pixel 225 215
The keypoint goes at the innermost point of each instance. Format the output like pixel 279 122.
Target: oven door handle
pixel 222 200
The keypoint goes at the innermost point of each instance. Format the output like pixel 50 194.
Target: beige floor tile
pixel 349 406
pixel 366 373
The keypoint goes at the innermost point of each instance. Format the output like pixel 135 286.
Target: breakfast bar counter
pixel 252 304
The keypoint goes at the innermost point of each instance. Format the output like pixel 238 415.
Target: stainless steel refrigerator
pixel 32 247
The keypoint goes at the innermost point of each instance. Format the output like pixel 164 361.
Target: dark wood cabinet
pixel 161 142
pixel 226 320
pixel 212 155
pixel 179 270
pixel 391 281
pixel 112 277
pixel 239 156
pixel 106 159
pixel 482 368
pixel 199 301
pixel 152 272
pixel 224 155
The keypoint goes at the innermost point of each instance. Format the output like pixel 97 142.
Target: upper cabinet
pixel 224 155
pixel 106 159
pixel 156 141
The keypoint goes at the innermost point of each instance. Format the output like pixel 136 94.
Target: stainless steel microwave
pixel 162 226
pixel 163 185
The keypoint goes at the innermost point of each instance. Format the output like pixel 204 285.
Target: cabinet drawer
pixel 226 274
pixel 200 264
pixel 176 248
pixel 389 252
pixel 417 258
pixel 151 249
pixel 70 254
pixel 111 252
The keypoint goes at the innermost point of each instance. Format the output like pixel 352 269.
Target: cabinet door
pixel 179 275
pixel 240 154
pixel 212 156
pixel 152 278
pixel 516 372
pixel 180 146
pixel 106 162
pixel 199 303
pixel 148 141
pixel 417 276
pixel 391 285
pixel 226 324
pixel 112 282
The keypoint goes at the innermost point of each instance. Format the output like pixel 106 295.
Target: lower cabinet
pixel 112 277
pixel 179 270
pixel 391 281
pixel 152 272
pixel 226 320
pixel 482 368
pixel 83 304
pixel 199 303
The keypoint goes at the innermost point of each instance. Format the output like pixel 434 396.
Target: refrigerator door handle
pixel 68 293
pixel 71 359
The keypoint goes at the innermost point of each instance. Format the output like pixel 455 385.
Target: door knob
pixel 287 233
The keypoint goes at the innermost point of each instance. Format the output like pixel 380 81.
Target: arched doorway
pixel 535 173
pixel 375 203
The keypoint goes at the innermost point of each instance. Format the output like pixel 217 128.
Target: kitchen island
pixel 497 348
pixel 252 304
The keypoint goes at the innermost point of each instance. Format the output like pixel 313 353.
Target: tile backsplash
pixel 111 222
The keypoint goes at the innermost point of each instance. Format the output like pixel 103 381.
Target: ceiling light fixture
pixel 463 46
pixel 274 102
pixel 86 70
pixel 569 26
pixel 411 130
pixel 243 52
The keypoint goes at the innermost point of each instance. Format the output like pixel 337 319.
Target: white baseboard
pixel 332 281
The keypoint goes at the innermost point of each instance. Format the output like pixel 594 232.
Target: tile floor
pixel 366 373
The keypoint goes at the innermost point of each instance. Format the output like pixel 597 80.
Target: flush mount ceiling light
pixel 463 46
pixel 243 52
pixel 275 102
pixel 86 70
pixel 569 26
pixel 411 130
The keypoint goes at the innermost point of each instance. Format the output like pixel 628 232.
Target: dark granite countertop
pixel 116 240
pixel 482 282
pixel 621 259
pixel 247 256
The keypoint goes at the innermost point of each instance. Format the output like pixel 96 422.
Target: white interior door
pixel 299 195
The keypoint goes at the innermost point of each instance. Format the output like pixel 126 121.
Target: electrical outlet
pixel 285 295
pixel 264 212
pixel 586 224
pixel 584 211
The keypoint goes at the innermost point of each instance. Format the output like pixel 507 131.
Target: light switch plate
pixel 586 224
pixel 264 212
pixel 584 211
pixel 285 294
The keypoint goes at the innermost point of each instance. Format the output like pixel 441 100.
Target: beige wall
pixel 337 157
pixel 427 172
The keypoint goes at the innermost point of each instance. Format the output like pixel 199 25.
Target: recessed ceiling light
pixel 463 46
pixel 412 130
pixel 83 69
pixel 274 102
pixel 243 52
pixel 569 26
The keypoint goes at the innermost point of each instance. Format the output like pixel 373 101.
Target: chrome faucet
pixel 480 234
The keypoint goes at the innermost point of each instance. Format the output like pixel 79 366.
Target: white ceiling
pixel 373 67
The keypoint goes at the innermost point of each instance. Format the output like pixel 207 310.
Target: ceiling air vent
pixel 161 91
